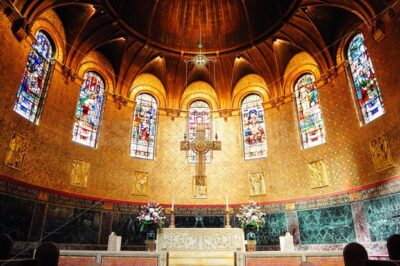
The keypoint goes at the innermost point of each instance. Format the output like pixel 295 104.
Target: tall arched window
pixel 88 111
pixel 309 112
pixel 253 120
pixel 199 112
pixel 367 89
pixel 143 139
pixel 32 89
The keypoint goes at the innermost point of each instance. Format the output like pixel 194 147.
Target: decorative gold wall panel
pixel 257 184
pixel 381 153
pixel 80 173
pixel 16 152
pixel 317 174
pixel 140 183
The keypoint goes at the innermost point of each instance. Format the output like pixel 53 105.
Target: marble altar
pixel 200 239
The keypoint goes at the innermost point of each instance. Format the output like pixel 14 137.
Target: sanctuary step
pixel 201 258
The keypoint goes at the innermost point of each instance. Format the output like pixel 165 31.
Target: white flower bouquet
pixel 151 215
pixel 250 216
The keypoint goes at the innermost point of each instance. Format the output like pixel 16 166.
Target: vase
pixel 251 245
pixel 150 245
pixel 151 231
pixel 251 233
pixel 251 238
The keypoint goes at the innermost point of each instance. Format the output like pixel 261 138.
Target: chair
pixel 354 254
pixel 47 254
pixel 6 245
pixel 393 246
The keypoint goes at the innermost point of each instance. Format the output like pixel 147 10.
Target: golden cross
pixel 200 145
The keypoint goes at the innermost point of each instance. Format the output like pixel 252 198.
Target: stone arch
pixel 149 83
pixel 96 62
pixel 300 64
pixel 199 90
pixel 341 53
pixel 49 23
pixel 251 83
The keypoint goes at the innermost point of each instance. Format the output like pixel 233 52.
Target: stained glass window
pixel 254 138
pixel 367 89
pixel 88 110
pixel 32 88
pixel 309 112
pixel 144 127
pixel 199 112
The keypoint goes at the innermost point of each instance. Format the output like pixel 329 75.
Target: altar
pixel 200 239
pixel 201 246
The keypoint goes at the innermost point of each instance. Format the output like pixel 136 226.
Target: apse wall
pixel 355 191
pixel 51 152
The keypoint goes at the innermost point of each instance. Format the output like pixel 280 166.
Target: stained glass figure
pixel 366 85
pixel 32 88
pixel 88 111
pixel 199 112
pixel 309 112
pixel 254 136
pixel 144 127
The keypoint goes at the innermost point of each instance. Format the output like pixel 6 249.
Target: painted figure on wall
pixel 381 153
pixel 80 173
pixel 317 173
pixel 200 186
pixel 17 149
pixel 257 184
pixel 140 183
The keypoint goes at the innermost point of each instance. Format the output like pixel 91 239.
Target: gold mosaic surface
pixel 51 152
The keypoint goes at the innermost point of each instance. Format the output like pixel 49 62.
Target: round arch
pixel 249 84
pixel 341 54
pixel 97 63
pixel 50 24
pixel 302 63
pixel 199 90
pixel 150 84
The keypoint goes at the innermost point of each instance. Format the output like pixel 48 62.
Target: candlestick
pixel 173 203
pixel 172 224
pixel 227 218
pixel 227 201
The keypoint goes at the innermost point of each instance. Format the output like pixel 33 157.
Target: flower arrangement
pixel 250 215
pixel 151 214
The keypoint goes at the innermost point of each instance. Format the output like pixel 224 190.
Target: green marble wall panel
pixel 275 226
pixel 332 225
pixel 379 213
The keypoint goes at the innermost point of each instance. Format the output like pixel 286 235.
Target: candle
pixel 173 202
pixel 227 202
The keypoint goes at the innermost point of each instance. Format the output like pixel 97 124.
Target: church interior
pixel 200 107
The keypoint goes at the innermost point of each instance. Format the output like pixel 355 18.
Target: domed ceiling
pixel 157 36
pixel 225 25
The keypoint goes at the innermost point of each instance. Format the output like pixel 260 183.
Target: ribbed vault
pixel 266 34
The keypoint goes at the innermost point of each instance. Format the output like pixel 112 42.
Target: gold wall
pixel 51 152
